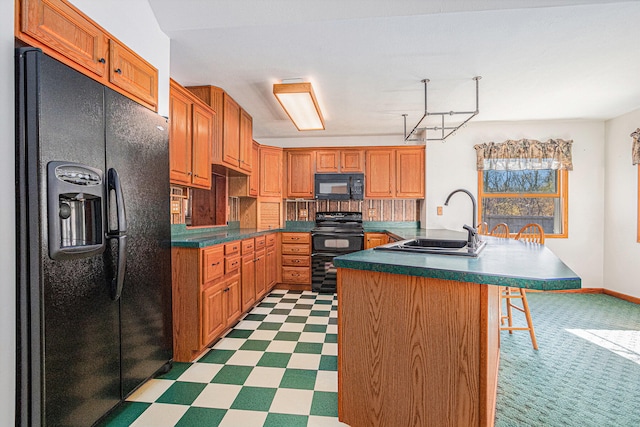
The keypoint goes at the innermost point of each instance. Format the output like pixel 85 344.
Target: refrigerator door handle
pixel 119 232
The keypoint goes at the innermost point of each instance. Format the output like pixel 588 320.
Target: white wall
pixel 7 218
pixel 134 24
pixel 621 250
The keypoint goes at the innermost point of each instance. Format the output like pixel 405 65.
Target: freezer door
pixel 137 148
pixel 68 324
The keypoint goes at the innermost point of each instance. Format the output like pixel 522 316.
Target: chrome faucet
pixel 472 238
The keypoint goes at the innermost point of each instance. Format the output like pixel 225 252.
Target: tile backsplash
pixel 372 209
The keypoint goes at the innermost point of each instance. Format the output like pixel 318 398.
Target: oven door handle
pixel 336 234
pixel 329 254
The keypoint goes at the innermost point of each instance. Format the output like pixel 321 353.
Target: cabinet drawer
pixel 231 264
pixel 296 238
pixel 232 248
pixel 212 263
pixel 271 239
pixel 295 249
pixel 261 242
pixel 301 275
pixel 296 261
pixel 248 246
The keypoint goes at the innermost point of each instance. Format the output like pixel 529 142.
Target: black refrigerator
pixel 93 237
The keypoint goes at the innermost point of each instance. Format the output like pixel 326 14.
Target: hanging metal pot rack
pixel 445 130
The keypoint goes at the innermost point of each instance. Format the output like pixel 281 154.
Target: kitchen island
pixel 418 335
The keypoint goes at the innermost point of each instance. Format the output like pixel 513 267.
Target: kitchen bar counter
pixel 503 262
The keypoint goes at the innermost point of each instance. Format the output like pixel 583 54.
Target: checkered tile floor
pixel 276 367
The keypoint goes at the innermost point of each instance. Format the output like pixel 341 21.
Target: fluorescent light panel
pixel 300 104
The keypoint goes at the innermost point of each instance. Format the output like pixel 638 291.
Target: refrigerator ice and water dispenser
pixel 75 210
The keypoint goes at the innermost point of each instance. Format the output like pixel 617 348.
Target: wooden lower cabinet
pixel 296 259
pixel 248 281
pixel 220 307
pixel 261 273
pixel 371 240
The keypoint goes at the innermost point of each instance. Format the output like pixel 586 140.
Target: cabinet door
pixel 64 29
pixel 214 317
pixel 231 132
pixel 261 273
pixel 179 137
pixel 133 74
pixel 270 172
pixel 327 161
pixel 300 167
pixel 248 281
pixel 379 183
pixel 201 152
pixel 371 240
pixel 272 267
pixel 234 303
pixel 352 161
pixel 410 174
pixel 254 178
pixel 246 142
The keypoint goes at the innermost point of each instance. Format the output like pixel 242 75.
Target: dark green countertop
pixel 503 262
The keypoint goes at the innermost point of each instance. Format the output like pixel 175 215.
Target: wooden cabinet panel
pixel 254 178
pixel 261 242
pixel 293 249
pixel 212 263
pixel 248 246
pixel 296 238
pixel 300 179
pixel 214 317
pixel 371 240
pixel 296 275
pixel 245 142
pixel 232 248
pixel 179 137
pixel 133 74
pixel 272 267
pixel 380 179
pixel 247 275
pixel 261 273
pixel 296 251
pixel 270 171
pixel 410 173
pixel 214 97
pixel 232 264
pixel 231 132
pixel 296 260
pixel 202 136
pixel 351 161
pixel 327 161
pixel 233 299
pixel 64 29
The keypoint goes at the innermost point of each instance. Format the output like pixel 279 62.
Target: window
pixel 518 197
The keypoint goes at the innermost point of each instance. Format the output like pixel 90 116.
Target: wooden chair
pixel 531 233
pixel 500 230
pixel 483 228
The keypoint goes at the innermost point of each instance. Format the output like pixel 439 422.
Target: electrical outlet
pixel 439 210
pixel 372 212
pixel 303 213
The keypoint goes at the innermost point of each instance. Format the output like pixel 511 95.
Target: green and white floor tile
pixel 276 367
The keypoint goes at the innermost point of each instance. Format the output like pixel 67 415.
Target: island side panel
pixel 413 350
pixel 489 352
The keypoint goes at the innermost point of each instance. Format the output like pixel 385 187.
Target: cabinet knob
pixel 102 60
pixel 189 173
pixel 296 260
pixel 118 70
pixel 215 263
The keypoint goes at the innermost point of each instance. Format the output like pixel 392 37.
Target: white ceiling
pixel 539 59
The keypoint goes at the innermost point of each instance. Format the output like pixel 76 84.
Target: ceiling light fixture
pixel 300 104
pixel 443 128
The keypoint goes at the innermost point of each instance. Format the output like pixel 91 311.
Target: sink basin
pixel 451 247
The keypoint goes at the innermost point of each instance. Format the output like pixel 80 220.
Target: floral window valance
pixel 525 154
pixel 635 153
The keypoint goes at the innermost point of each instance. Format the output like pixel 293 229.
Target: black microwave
pixel 339 186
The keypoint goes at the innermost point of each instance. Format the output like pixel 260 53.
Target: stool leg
pixel 509 310
pixel 527 313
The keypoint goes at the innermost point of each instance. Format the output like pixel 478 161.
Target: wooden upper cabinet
pixel 300 177
pixel 214 97
pixel 410 173
pixel 254 178
pixel 65 33
pixel 63 28
pixel 351 161
pixel 179 137
pixel 270 171
pixel 190 134
pixel 231 132
pixel 202 125
pixel 327 161
pixel 380 179
pixel 130 72
pixel 246 142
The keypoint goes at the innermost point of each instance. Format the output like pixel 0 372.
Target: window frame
pixel 562 193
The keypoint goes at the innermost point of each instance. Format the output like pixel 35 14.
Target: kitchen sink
pixel 451 247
